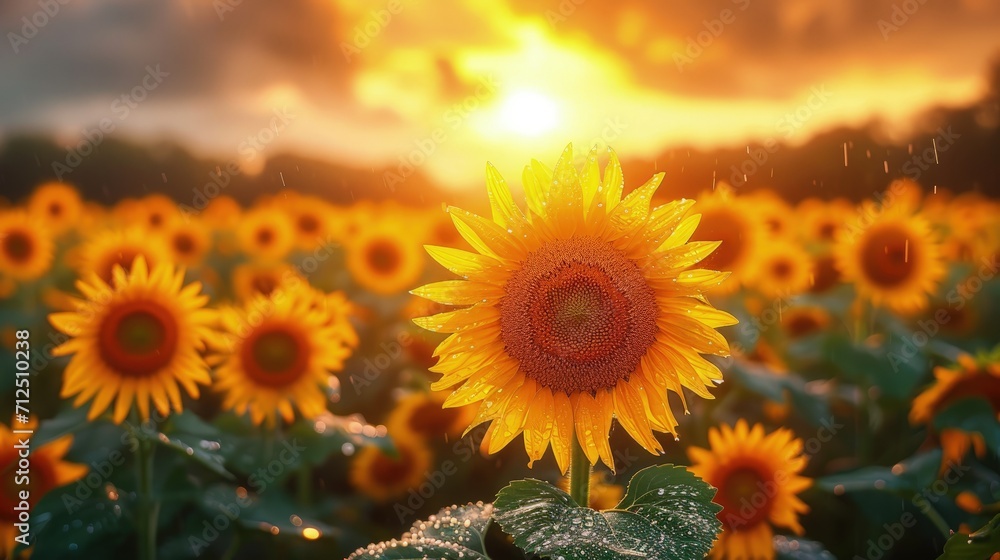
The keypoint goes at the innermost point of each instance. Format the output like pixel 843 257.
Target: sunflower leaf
pixel 978 545
pixel 666 512
pixel 972 414
pixel 456 532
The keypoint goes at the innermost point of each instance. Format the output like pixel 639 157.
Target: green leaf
pixel 915 474
pixel 978 546
pixel 762 381
pixel 895 367
pixel 455 533
pixel 667 512
pixel 68 421
pixel 192 445
pixel 793 548
pixel 972 414
pixel 269 512
pixel 65 527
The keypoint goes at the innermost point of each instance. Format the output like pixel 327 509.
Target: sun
pixel 528 113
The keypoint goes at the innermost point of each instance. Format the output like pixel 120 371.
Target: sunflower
pixel 895 261
pixel 252 279
pixel 222 212
pixel 820 222
pixel 108 250
pixel 740 235
pixel 784 268
pixel 384 477
pixel 48 471
pixel 758 480
pixel 25 246
pixel 968 378
pixel 188 241
pixel 266 233
pixel 137 339
pixel 421 415
pixel 798 322
pixel 773 211
pixel 312 221
pixel 156 212
pixel 55 205
pixel 279 352
pixel 585 310
pixel 384 257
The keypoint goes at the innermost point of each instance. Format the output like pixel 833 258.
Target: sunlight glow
pixel 528 113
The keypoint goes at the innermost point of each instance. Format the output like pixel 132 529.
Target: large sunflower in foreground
pixel 136 340
pixel 25 247
pixel 278 352
pixel 585 309
pixel 758 480
pixel 895 261
pixel 969 378
pixel 48 471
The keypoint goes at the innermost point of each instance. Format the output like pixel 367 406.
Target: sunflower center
pixel 275 357
pixel 138 338
pixel 432 419
pixel 156 219
pixel 802 324
pixel 308 223
pixel 18 246
pixel 265 236
pixel 383 256
pixel 578 315
pixel 717 225
pixel 888 258
pixel 781 269
pixel 264 284
pixel 388 471
pixel 184 244
pixel 980 384
pixel 746 498
pixel 827 231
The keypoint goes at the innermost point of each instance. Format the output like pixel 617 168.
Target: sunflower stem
pixel 579 475
pixel 148 508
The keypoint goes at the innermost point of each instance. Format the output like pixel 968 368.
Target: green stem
pixel 938 521
pixel 579 475
pixel 148 508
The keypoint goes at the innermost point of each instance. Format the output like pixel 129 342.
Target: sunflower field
pixel 594 369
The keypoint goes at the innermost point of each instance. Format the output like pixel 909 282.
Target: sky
pixel 443 86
